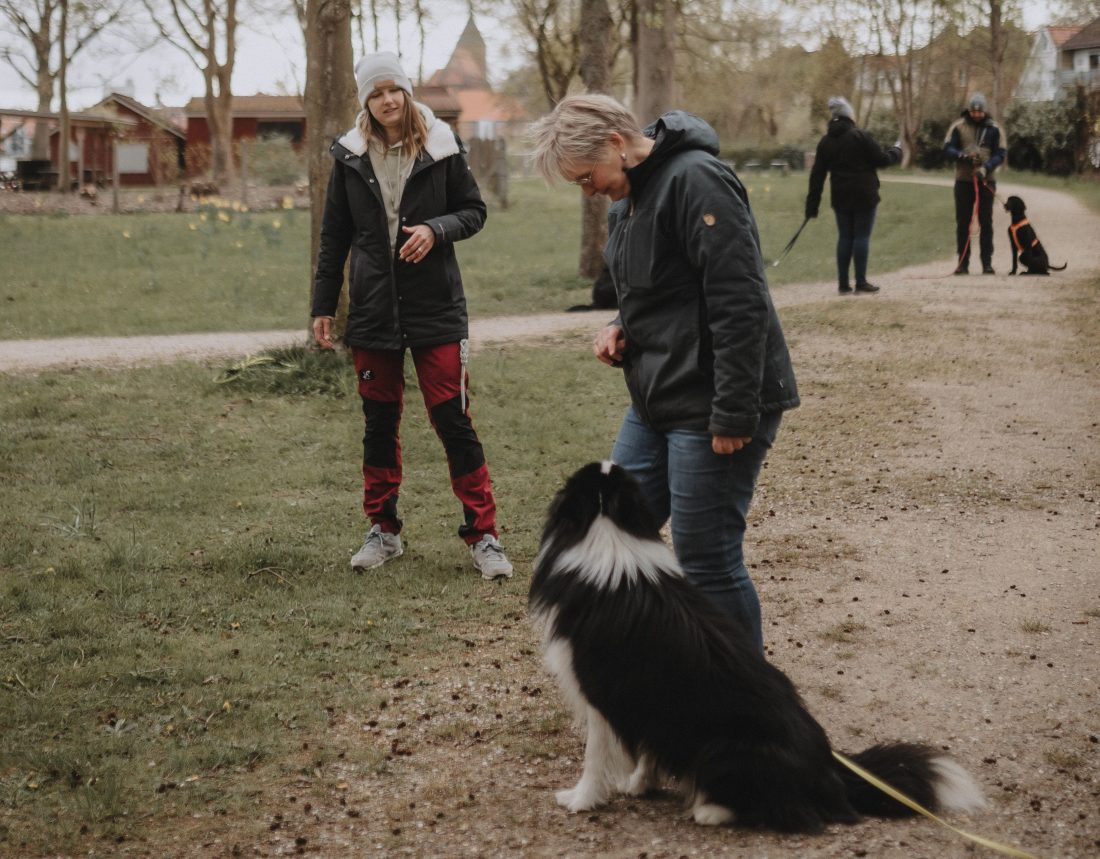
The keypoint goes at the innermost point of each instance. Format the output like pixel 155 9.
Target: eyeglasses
pixel 584 180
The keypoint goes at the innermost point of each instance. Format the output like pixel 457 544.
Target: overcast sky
pixel 271 59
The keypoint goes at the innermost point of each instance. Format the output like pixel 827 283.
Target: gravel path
pixel 33 355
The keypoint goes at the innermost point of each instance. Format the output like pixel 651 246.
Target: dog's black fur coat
pixel 1024 241
pixel 681 686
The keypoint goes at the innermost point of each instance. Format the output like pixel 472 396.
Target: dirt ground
pixel 964 614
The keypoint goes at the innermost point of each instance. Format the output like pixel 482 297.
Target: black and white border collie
pixel 668 687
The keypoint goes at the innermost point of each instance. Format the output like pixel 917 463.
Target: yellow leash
pixel 920 809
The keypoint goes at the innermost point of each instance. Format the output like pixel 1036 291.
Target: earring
pixel 622 155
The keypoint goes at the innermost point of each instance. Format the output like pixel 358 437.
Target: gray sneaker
pixel 377 548
pixel 490 559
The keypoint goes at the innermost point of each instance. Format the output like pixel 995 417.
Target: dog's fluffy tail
pixel 926 775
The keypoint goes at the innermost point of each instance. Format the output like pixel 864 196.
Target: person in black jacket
pixel 852 157
pixel 697 335
pixel 975 145
pixel 399 196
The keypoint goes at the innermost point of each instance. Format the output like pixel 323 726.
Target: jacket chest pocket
pixel 636 254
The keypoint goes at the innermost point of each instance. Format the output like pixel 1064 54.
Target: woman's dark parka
pixel 851 156
pixel 394 304
pixel 704 347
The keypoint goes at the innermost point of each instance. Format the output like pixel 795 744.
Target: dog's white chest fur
pixel 608 557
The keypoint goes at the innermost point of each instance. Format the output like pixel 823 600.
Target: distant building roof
pixel 162 118
pixel 480 104
pixel 268 106
pixel 1060 35
pixel 1088 37
pixel 441 100
pixel 467 67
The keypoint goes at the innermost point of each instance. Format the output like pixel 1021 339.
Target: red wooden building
pixel 89 150
pixel 149 145
pixel 260 116
pixel 150 151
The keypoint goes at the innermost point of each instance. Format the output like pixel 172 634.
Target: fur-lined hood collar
pixel 441 141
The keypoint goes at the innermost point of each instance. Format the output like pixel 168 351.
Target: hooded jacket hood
pixel 674 132
pixel 440 144
pixel 840 125
pixel 707 352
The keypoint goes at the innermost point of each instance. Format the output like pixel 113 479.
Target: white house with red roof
pixel 1053 60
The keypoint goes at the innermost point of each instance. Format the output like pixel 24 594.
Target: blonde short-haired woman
pixel 697 336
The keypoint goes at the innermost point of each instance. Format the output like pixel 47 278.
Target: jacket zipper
pixel 628 221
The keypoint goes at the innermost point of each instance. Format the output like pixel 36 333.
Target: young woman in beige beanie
pixel 399 197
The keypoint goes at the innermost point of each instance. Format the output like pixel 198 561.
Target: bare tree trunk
pixel 219 93
pixel 418 11
pixel 998 45
pixel 114 176
pixel 899 30
pixel 196 34
pixel 64 176
pixel 330 99
pixel 374 25
pixel 595 70
pixel 655 59
pixel 44 85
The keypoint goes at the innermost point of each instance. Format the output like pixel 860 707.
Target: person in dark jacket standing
pixel 851 156
pixel 974 143
pixel 697 336
pixel 399 196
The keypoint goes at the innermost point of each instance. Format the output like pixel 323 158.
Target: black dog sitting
pixel 1026 247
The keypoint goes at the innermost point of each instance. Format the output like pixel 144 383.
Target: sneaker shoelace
pixel 495 550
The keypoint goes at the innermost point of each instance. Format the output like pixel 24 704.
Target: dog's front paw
pixel 710 814
pixel 578 798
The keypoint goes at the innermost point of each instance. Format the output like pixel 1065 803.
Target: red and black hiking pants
pixel 440 373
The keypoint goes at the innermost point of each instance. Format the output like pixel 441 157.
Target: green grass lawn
pixel 176 609
pixel 226 270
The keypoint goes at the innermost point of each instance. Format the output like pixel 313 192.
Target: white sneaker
pixel 490 559
pixel 379 547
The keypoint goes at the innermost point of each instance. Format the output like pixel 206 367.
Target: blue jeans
pixel 707 496
pixel 853 242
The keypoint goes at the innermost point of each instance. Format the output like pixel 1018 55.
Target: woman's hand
pixel 609 345
pixel 421 240
pixel 723 444
pixel 322 331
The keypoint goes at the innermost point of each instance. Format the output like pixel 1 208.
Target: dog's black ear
pixel 575 506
